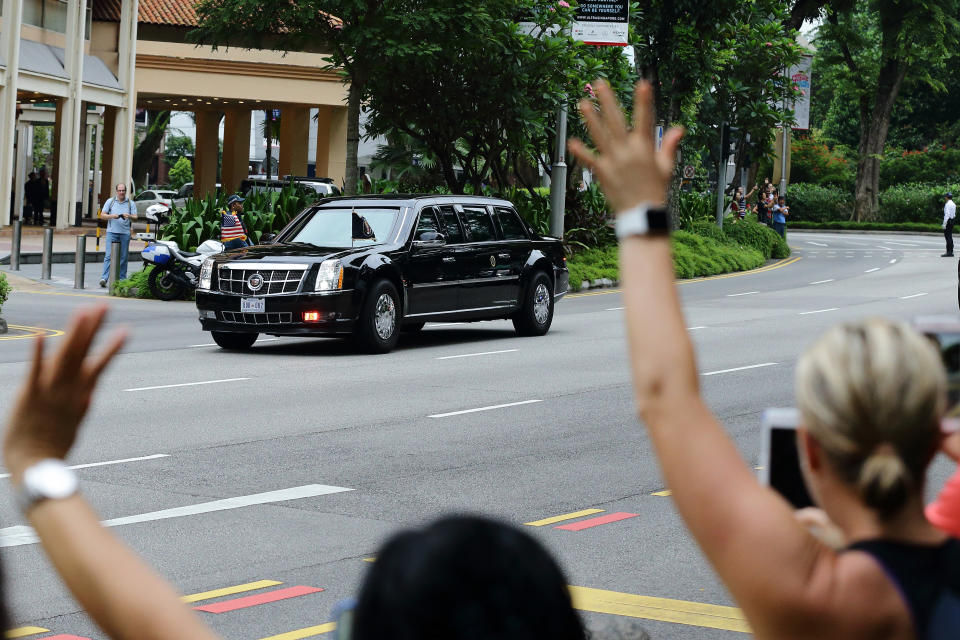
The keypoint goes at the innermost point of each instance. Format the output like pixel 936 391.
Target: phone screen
pixel 783 473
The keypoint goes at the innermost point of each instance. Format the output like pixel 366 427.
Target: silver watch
pixel 48 479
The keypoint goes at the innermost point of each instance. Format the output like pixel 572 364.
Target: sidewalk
pixel 64 243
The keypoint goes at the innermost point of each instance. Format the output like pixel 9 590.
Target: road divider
pixel 747 367
pixel 225 606
pixel 490 408
pixel 185 384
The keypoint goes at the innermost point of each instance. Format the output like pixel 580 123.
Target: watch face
pixel 50 479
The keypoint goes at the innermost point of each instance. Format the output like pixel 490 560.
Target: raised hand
pixel 56 394
pixel 629 167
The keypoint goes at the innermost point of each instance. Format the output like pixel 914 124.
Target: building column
pixel 207 148
pixel 121 166
pixel 24 164
pixel 109 152
pixel 294 141
pixel 236 149
pixel 332 133
pixel 71 113
pixel 97 179
pixel 10 49
pixel 322 169
pixel 83 179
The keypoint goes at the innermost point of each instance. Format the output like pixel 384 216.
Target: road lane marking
pixel 246 602
pixel 823 281
pixel 615 309
pixel 662 494
pixel 22 632
pixel 695 328
pixel 229 591
pixel 746 293
pixel 893 261
pixel 906 244
pixel 185 384
pixel 31 332
pixel 108 462
pixel 490 408
pixel 561 518
pixel 596 522
pixel 307 632
pixel 807 313
pixel 916 295
pixel 482 353
pixel 662 609
pixel 23 535
pixel 750 366
pixel 819 244
pixel 884 248
pixel 872 270
pixel 65 636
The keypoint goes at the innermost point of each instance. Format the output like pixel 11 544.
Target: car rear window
pixel 479 224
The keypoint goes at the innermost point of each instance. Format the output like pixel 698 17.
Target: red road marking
pixel 260 598
pixel 65 637
pixel 596 522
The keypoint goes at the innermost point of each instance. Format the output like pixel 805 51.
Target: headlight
pixel 206 275
pixel 329 276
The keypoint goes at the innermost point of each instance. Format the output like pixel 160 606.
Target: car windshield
pixel 354 227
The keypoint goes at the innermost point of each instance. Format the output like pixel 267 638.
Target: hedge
pixel 906 203
pixel 4 289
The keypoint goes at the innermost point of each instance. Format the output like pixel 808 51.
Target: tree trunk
pixel 143 154
pixel 353 137
pixel 873 138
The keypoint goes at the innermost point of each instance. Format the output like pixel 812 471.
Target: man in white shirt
pixel 949 217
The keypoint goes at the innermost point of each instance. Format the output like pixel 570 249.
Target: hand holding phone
pixel 780 457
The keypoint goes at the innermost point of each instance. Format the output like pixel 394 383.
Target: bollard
pixel 80 262
pixel 114 266
pixel 46 258
pixel 15 247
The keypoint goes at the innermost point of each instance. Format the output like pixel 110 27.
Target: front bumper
pixel 283 314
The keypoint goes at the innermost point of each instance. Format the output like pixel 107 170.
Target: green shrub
pixel 933 166
pixel 913 203
pixel 593 264
pixel 4 290
pixel 813 162
pixel 695 256
pixel 181 173
pixel 759 237
pixel 692 207
pixel 816 203
pixel 137 281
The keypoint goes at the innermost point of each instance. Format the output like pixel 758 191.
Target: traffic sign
pixel 688 171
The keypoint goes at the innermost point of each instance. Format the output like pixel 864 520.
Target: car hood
pixel 288 252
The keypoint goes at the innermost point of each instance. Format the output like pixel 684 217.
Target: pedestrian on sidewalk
pixel 31 191
pixel 233 234
pixel 780 213
pixel 949 217
pixel 118 211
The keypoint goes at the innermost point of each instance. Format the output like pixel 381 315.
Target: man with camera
pixel 118 211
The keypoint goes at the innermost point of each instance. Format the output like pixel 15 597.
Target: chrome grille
pixel 275 281
pixel 257 318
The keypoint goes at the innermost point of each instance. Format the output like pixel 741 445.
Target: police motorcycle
pixel 175 271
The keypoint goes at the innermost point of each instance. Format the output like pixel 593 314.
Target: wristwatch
pixel 48 479
pixel 643 220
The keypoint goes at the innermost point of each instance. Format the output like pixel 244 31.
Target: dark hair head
pixel 465 578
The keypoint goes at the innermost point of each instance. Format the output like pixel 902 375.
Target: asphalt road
pixel 348 448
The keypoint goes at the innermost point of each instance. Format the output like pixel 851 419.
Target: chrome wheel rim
pixel 385 316
pixel 541 303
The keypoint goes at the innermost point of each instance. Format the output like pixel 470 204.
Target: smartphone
pixel 944 331
pixel 780 457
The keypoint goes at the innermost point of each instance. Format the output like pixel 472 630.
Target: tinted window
pixel 426 224
pixel 451 228
pixel 330 227
pixel 146 195
pixel 479 225
pixel 511 225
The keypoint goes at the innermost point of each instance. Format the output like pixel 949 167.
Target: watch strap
pixel 643 220
pixel 49 479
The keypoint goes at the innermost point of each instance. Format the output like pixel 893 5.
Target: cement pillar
pixel 109 152
pixel 207 147
pixel 778 157
pixel 24 164
pixel 236 149
pixel 97 179
pixel 332 143
pixel 294 141
pixel 124 139
pixel 72 112
pixel 83 177
pixel 10 49
pixel 323 141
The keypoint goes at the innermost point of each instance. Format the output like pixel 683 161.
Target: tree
pixel 870 48
pixel 144 152
pixel 177 147
pixel 181 173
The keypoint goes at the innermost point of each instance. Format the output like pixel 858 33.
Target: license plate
pixel 253 305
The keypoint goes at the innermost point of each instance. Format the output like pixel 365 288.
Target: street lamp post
pixel 558 176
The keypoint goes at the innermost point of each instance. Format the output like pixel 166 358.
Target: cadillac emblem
pixel 493 261
pixel 255 282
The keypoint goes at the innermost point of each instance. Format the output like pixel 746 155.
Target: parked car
pixel 324 187
pixel 185 193
pixel 373 266
pixel 151 197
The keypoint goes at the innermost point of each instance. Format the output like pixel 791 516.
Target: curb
pixel 66 257
pixel 22 283
pixel 870 232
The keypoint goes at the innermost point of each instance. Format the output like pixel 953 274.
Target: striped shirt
pixel 230 227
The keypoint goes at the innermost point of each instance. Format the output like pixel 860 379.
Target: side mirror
pixel 268 238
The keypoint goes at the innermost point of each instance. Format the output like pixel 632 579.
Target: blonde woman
pixel 870 395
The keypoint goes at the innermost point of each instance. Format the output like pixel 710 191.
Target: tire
pixel 378 325
pixel 412 327
pixel 536 314
pixel 234 341
pixel 163 286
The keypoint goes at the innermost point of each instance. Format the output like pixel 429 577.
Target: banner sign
pixel 800 79
pixel 602 22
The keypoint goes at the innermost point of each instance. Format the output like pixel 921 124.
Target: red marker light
pixel 311 316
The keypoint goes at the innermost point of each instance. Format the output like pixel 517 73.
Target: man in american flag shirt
pixel 233 234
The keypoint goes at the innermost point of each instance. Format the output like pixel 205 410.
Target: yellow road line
pixel 695 614
pixel 22 632
pixel 566 516
pixel 779 265
pixel 31 332
pixel 229 591
pixel 307 632
pixel 662 494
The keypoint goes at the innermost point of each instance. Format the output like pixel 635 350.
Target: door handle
pixel 504 256
pixel 449 259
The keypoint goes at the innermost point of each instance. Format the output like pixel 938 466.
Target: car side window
pixel 426 224
pixel 479 224
pixel 146 195
pixel 451 226
pixel 510 224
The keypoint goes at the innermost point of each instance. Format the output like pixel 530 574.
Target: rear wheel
pixel 378 326
pixel 234 341
pixel 536 314
pixel 163 285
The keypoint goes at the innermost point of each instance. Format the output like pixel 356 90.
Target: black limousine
pixel 373 266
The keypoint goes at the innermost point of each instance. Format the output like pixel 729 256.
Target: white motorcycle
pixel 175 271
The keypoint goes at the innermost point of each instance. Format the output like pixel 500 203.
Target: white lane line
pixel 884 248
pixel 751 366
pixel 616 308
pixel 916 295
pixel 482 353
pixel 185 384
pixel 906 244
pixel 496 406
pixel 695 328
pixel 214 344
pixel 21 535
pixel 819 244
pixel 746 293
pixel 807 313
pixel 894 261
pixel 108 462
pixel 872 270
pixel 823 281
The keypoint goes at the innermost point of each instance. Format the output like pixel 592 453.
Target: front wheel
pixel 234 341
pixel 378 326
pixel 163 285
pixel 536 314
